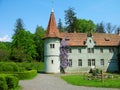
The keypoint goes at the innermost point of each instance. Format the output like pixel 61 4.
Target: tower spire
pixel 52 30
pixel 52 6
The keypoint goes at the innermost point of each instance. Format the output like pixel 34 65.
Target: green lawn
pixel 80 81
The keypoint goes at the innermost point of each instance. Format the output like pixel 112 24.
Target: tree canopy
pixel 38 36
pixel 70 19
pixel 84 26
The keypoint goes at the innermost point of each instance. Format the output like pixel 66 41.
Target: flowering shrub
pixel 63 55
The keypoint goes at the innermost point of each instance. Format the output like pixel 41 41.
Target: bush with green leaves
pixel 12 81
pixel 3 83
pixel 31 66
pixel 8 82
pixel 8 67
pixel 26 74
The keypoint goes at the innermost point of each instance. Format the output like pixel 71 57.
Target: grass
pixel 80 81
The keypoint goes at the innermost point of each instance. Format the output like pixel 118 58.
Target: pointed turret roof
pixel 52 31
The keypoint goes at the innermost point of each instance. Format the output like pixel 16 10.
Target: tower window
pixel 51 61
pixel 52 45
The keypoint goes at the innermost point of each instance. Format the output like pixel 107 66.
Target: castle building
pixel 97 50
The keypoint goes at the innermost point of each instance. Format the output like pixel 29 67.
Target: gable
pixel 90 42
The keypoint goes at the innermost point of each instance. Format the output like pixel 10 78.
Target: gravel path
pixel 52 82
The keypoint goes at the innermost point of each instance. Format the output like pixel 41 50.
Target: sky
pixel 37 12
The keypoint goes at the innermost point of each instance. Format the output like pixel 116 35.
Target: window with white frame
pixel 90 50
pixel 102 62
pixel 52 45
pixel 70 63
pixel 69 50
pixel 91 62
pixel 111 50
pixel 79 62
pixel 79 50
pixel 101 50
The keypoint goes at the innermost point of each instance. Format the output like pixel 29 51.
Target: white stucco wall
pixel 51 56
pixel 110 59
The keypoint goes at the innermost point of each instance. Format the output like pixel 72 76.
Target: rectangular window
pixel 79 62
pixel 90 50
pixel 102 62
pixel 101 50
pixel 79 50
pixel 51 61
pixel 91 62
pixel 111 50
pixel 70 62
pixel 52 45
pixel 69 50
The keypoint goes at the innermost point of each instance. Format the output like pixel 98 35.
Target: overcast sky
pixel 37 12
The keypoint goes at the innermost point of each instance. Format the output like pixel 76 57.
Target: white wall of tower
pixel 51 55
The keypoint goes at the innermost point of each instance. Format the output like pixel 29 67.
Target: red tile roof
pixel 79 39
pixel 52 31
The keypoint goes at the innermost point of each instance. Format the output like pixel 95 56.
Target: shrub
pixel 8 82
pixel 8 67
pixel 31 66
pixel 3 83
pixel 12 81
pixel 26 74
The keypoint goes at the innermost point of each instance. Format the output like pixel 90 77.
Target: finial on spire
pixel 52 6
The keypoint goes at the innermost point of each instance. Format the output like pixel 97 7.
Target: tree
pixel 4 51
pixel 70 19
pixel 117 30
pixel 60 27
pixel 83 25
pixel 63 55
pixel 100 28
pixel 19 25
pixel 38 36
pixel 23 47
pixel 110 28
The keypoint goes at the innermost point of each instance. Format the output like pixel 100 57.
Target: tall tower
pixel 52 47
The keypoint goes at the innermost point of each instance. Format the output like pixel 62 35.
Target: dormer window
pixel 107 39
pixel 67 39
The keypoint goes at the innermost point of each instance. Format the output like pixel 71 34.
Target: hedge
pixel 8 67
pixel 26 74
pixel 12 81
pixel 8 82
pixel 3 83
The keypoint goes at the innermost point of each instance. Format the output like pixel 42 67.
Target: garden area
pixel 11 73
pixel 94 79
